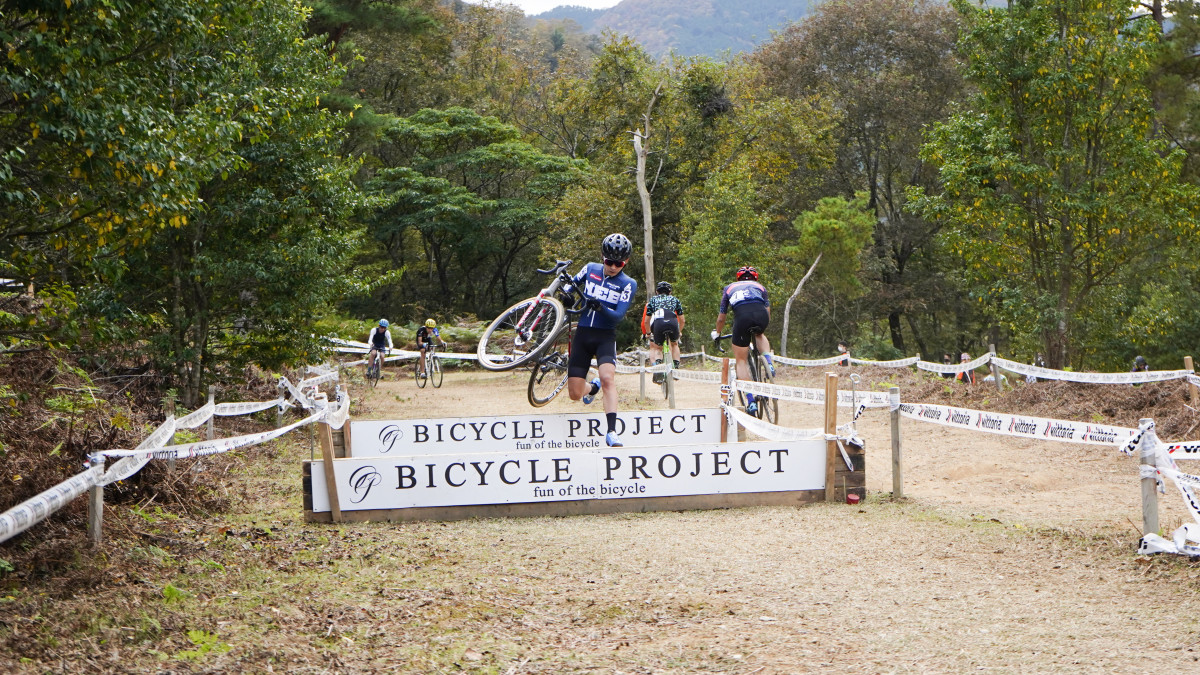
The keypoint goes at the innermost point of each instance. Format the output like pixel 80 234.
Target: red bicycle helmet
pixel 747 272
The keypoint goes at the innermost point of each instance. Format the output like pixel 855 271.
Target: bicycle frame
pixel 561 278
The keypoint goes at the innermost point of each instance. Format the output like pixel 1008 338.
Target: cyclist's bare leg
pixel 764 345
pixel 421 361
pixel 742 354
pixel 655 352
pixel 577 387
pixel 608 386
pixel 675 350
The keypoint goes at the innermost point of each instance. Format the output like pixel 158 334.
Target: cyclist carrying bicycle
pixel 380 341
pixel 425 336
pixel 751 316
pixel 608 293
pixel 662 319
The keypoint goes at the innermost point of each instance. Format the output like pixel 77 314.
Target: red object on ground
pixel 852 498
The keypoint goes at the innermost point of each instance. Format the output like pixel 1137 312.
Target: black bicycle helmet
pixel 616 246
pixel 747 272
pixel 664 288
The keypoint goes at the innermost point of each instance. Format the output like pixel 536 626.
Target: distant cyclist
pixel 425 336
pixel 663 321
pixel 608 293
pixel 751 316
pixel 380 341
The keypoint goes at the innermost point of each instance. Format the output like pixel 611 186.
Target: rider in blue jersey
pixel 751 316
pixel 608 293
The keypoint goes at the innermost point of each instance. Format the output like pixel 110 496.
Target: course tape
pixel 127 466
pixel 1092 378
pixel 869 399
pixel 831 361
pixel 696 375
pixel 216 446
pixel 956 367
pixel 1022 426
pixel 770 431
pixel 36 509
pixel 1193 380
pixel 894 363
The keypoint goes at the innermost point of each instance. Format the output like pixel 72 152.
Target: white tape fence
pixel 39 507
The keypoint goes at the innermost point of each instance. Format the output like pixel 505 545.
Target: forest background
pixel 188 187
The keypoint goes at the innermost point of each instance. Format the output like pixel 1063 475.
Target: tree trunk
pixel 896 331
pixel 640 149
pixel 787 308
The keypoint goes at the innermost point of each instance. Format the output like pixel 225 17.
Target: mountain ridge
pixel 689 27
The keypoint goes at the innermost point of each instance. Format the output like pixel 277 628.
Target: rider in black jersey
pixel 751 316
pixel 380 341
pixel 663 321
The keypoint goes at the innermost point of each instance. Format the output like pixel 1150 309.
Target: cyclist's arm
pixel 439 337
pixel 623 306
pixel 679 313
pixel 645 311
pixel 388 335
pixel 680 317
pixel 720 323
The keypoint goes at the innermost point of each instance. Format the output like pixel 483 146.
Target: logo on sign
pixel 362 480
pixel 389 436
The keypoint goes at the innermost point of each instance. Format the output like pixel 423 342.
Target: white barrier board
pixel 609 473
pixel 562 431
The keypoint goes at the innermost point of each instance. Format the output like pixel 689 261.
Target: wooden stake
pixel 995 370
pixel 897 462
pixel 1192 389
pixel 642 377
pixel 95 528
pixel 211 399
pixel 326 435
pixel 831 449
pixel 1149 484
pixel 171 412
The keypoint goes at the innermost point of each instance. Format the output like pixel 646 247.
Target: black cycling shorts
pixel 749 318
pixel 664 329
pixel 598 342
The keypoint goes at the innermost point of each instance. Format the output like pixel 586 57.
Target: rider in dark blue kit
pixel 608 293
pixel 751 316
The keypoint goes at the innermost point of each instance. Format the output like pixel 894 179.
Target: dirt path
pixel 1007 554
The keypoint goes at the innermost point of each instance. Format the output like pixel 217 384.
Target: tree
pixel 1053 189
pixel 889 69
pixel 240 280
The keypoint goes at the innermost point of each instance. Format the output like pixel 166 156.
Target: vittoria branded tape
pixel 1022 426
pixel 36 509
pixel 1092 378
pixel 808 363
pixel 895 363
pixel 955 367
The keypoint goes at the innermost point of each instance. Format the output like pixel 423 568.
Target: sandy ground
pixel 1005 555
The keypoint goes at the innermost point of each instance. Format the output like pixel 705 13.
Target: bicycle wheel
pixel 520 333
pixel 768 407
pixel 549 373
pixel 435 370
pixel 373 374
pixel 422 372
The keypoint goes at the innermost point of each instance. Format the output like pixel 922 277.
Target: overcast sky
pixel 531 7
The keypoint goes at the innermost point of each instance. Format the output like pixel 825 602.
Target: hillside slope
pixel 690 27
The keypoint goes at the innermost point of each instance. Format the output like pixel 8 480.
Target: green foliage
pixel 171 594
pixel 728 230
pixel 1053 189
pixel 838 229
pixel 205 643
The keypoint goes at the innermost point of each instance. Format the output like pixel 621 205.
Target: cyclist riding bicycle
pixel 608 293
pixel 662 319
pixel 425 336
pixel 380 341
pixel 751 316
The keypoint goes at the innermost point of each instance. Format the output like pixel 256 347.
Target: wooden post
pixel 279 409
pixel 1149 484
pixel 724 381
pixel 995 370
pixel 211 399
pixel 171 441
pixel 831 449
pixel 326 434
pixel 642 377
pixel 897 462
pixel 346 433
pixel 1193 390
pixel 95 525
pixel 670 375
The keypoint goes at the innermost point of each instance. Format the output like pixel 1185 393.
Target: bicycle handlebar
pixel 559 266
pixel 717 342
